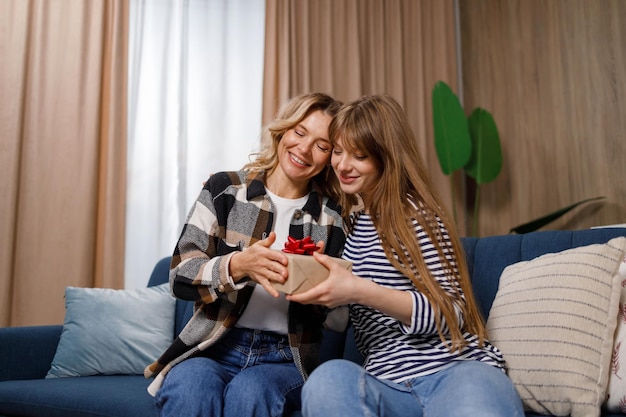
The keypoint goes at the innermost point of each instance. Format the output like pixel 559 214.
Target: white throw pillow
pixel 554 319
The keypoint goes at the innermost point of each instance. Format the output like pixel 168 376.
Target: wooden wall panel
pixel 553 74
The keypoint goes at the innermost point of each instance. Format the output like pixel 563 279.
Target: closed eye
pixel 323 146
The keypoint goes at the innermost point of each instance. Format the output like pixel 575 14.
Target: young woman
pixel 410 298
pixel 247 350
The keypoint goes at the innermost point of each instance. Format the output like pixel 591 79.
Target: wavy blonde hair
pixel 378 126
pixel 289 116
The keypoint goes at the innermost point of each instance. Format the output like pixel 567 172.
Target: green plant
pixel 536 224
pixel 470 144
pixel 473 144
pixel 452 139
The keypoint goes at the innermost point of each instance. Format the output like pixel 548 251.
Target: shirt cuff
pixel 412 328
pixel 227 283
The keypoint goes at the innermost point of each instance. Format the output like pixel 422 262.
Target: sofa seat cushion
pixel 116 395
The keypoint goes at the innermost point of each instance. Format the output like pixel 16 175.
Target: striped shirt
pixel 394 351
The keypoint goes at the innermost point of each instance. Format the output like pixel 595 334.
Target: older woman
pixel 247 350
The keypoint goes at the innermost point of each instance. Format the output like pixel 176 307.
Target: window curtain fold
pixel 349 48
pixel 62 163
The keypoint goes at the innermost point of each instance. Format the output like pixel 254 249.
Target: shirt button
pixel 297 214
pixel 221 288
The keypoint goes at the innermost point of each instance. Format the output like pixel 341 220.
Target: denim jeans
pixel 467 388
pixel 249 373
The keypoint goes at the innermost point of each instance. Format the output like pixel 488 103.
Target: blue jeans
pixel 467 388
pixel 249 373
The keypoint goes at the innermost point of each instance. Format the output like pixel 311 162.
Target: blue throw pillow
pixel 113 332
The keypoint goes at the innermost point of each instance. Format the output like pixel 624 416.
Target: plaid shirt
pixel 233 212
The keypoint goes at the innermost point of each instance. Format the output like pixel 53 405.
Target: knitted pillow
pixel 554 319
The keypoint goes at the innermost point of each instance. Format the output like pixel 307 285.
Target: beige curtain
pixel 349 48
pixel 62 159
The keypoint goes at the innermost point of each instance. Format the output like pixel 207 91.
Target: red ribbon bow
pixel 304 246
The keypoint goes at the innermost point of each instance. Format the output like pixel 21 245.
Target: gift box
pixel 304 271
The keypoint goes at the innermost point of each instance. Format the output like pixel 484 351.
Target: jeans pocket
pixel 286 353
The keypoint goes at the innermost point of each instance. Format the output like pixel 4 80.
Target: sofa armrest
pixel 27 352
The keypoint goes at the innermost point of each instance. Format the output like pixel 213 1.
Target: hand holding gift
pixel 261 264
pixel 304 271
pixel 340 288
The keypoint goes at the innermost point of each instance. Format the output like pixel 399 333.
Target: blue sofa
pixel 26 352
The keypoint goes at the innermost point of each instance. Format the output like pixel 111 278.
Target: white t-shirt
pixel 265 312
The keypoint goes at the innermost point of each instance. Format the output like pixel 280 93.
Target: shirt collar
pixel 256 187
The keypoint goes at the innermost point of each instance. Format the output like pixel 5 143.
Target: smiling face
pixel 357 171
pixel 303 152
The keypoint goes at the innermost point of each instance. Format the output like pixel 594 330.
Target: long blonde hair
pixel 378 126
pixel 289 116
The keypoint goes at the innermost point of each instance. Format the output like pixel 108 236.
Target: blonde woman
pixel 247 350
pixel 411 303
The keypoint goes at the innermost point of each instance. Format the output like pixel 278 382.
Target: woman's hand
pixel 261 264
pixel 340 288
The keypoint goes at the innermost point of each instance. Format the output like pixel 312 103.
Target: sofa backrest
pixel 184 309
pixel 486 257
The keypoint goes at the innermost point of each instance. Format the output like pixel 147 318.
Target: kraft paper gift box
pixel 305 273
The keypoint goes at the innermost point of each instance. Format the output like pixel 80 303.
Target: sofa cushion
pixel 109 332
pixel 97 396
pixel 554 318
